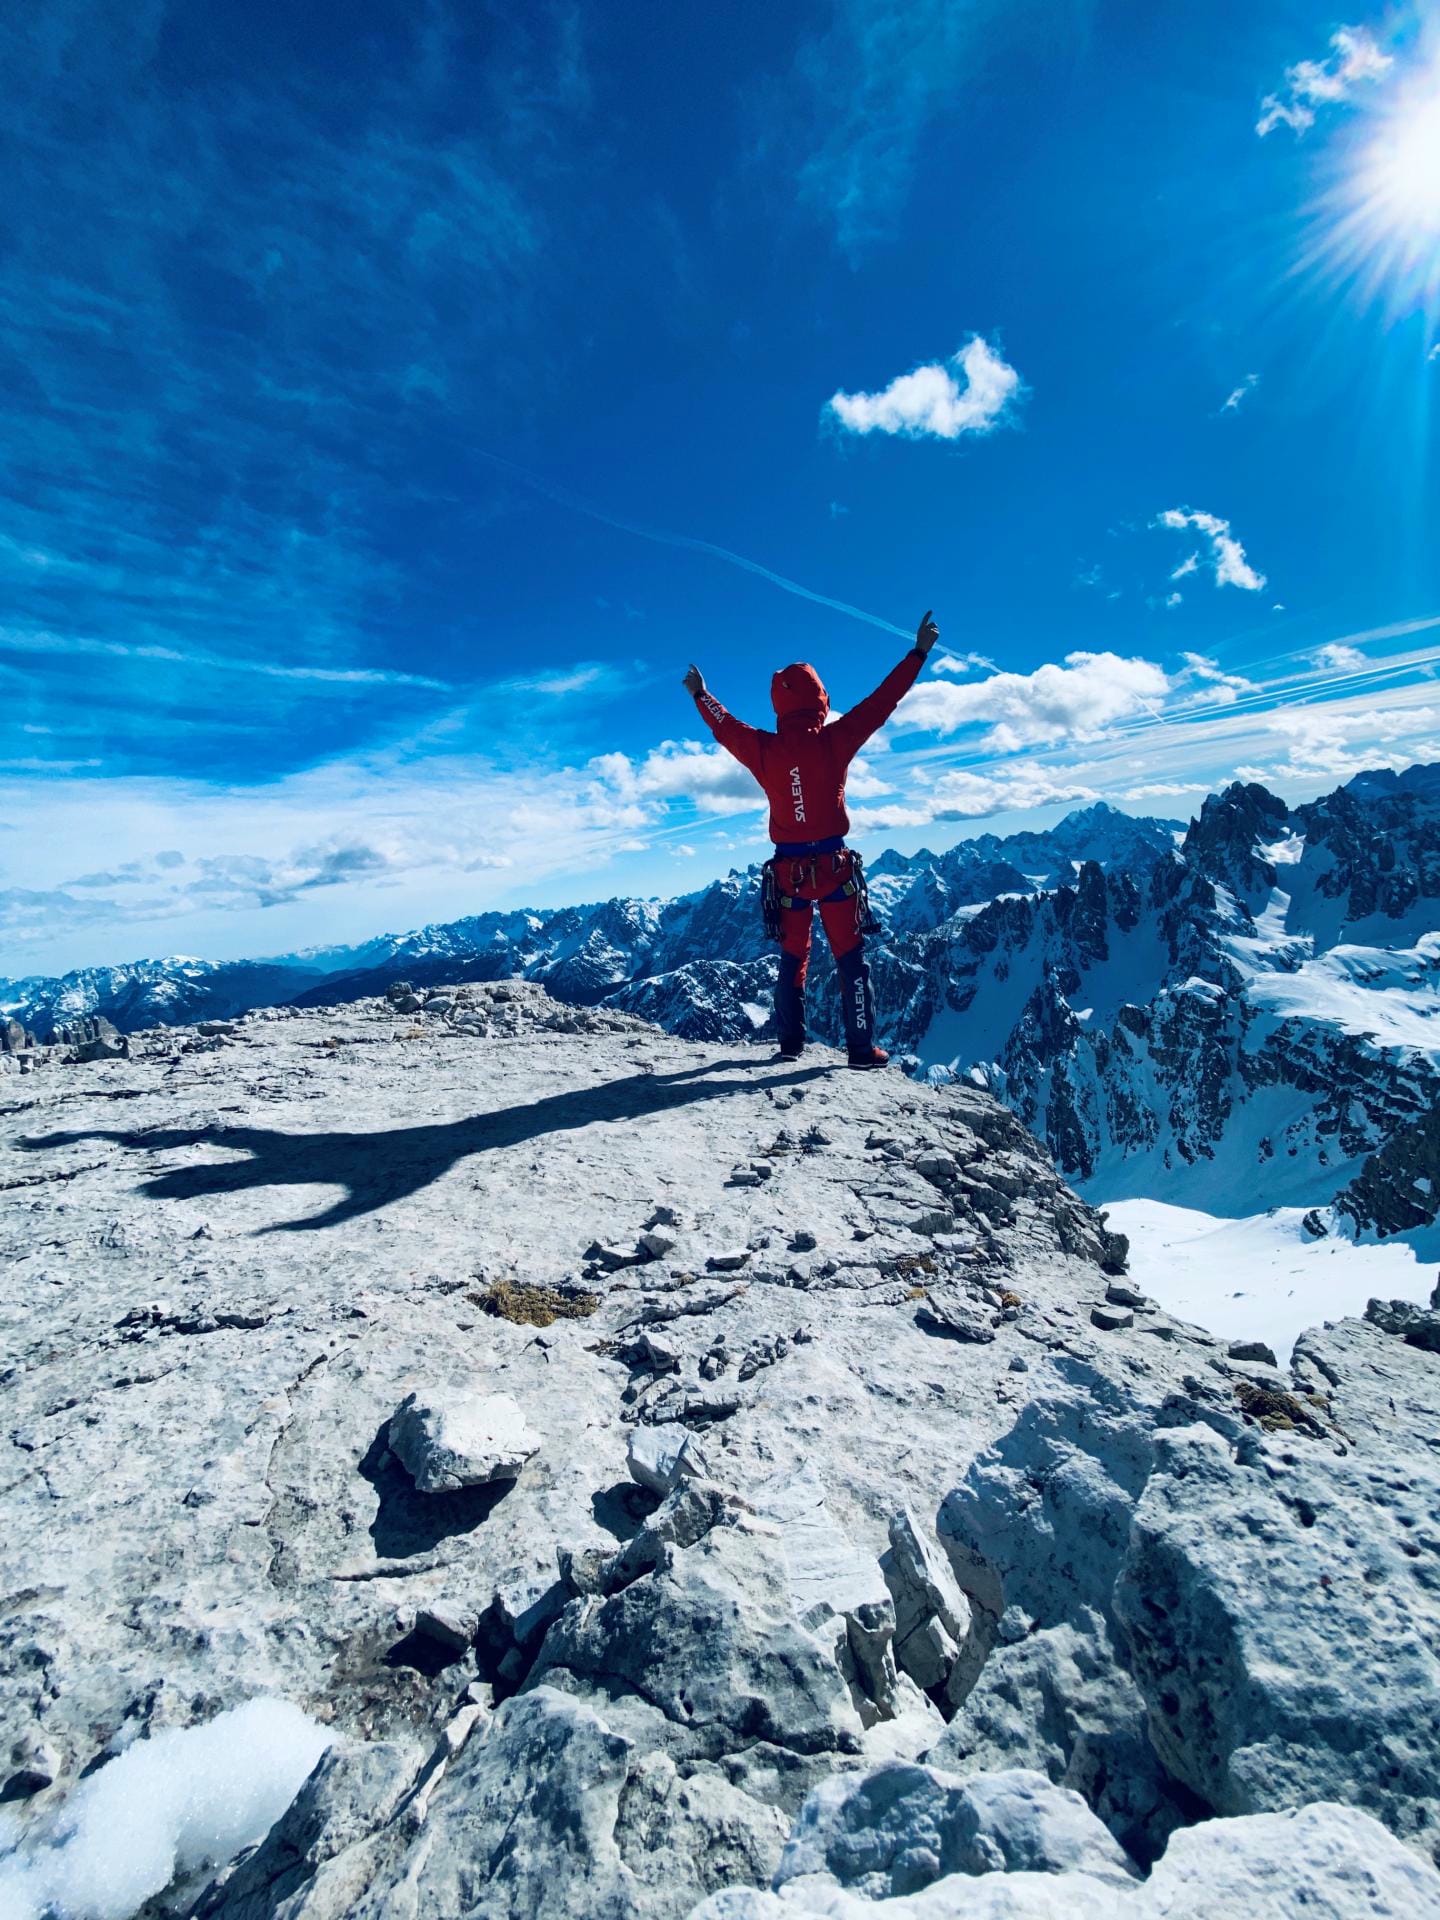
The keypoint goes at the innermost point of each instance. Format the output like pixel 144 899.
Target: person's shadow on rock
pixel 380 1167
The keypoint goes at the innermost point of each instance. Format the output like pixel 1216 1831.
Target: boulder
pixel 1111 1319
pixel 730 1260
pixel 932 1616
pixel 93 1037
pixel 660 1457
pixel 824 1568
pixel 1328 1861
pixel 709 1640
pixel 1282 1613
pixel 454 1623
pixel 1251 1350
pixel 902 1827
pixel 448 1438
pixel 1416 1326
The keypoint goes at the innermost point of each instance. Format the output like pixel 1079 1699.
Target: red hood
pixel 797 693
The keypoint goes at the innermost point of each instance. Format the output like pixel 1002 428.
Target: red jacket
pixel 803 764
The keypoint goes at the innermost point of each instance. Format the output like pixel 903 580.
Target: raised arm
pixel 744 742
pixel 867 716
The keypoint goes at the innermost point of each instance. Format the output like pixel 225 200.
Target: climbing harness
pixel 805 873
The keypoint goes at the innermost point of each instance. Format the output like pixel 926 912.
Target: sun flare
pixel 1378 226
pixel 1400 174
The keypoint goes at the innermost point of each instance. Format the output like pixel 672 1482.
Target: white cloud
pixel 1338 658
pixel 1190 564
pixel 931 402
pixel 964 795
pixel 1174 599
pixel 1355 57
pixel 1434 353
pixel 1216 687
pixel 863 783
pixel 1232 569
pixel 681 770
pixel 1076 701
pixel 1232 402
pixel 1333 745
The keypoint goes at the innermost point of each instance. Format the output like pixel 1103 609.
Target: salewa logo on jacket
pixel 802 765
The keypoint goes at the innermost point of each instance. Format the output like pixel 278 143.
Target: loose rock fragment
pixel 730 1260
pixel 451 1622
pixel 1121 1294
pixel 1251 1350
pixel 447 1438
pixel 948 1312
pixel 1111 1319
pixel 659 1457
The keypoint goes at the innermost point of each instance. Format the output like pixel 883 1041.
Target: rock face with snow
pixel 641 1536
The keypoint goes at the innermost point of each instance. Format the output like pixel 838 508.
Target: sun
pixel 1378 225
pixel 1399 174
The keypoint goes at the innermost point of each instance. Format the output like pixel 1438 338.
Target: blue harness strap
pixel 803 849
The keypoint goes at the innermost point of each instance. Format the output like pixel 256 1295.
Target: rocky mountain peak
pixel 1225 841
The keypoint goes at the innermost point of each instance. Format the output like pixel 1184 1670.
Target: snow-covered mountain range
pixel 1248 1006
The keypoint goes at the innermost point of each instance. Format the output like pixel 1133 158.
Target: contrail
pixel 686 542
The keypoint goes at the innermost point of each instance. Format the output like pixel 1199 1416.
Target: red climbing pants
pixel 811 881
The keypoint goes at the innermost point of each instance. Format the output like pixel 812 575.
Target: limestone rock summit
pixel 637 1541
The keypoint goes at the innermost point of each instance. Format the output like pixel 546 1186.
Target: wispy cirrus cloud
pixel 1355 58
pixel 594 677
pixel 845 126
pixel 1227 556
pixel 1238 395
pixel 931 403
pixel 228 371
pixel 36 641
pixel 962 663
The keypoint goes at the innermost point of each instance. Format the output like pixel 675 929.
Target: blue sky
pixel 392 409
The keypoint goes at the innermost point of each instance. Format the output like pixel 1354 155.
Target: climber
pixel 802 768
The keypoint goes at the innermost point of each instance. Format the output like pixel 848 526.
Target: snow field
pixel 185 1798
pixel 1260 1277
